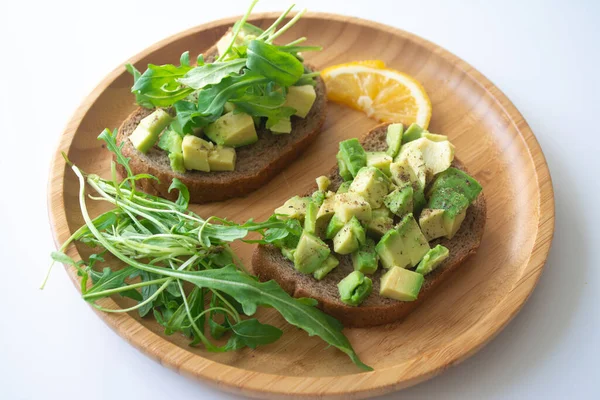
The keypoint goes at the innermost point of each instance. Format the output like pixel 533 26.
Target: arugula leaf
pixel 276 65
pixel 210 74
pixel 108 280
pixel 252 333
pixel 184 194
pixel 159 85
pixel 140 98
pixel 110 138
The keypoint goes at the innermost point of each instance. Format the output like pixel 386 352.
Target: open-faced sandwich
pixel 396 216
pixel 228 124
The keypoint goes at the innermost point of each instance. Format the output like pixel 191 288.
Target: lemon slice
pixel 382 93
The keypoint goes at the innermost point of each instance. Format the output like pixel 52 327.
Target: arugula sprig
pixel 162 245
pixel 250 66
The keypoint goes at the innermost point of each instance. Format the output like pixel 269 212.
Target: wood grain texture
pixel 491 138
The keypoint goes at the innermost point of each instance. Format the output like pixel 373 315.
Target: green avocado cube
pixel 349 238
pixel 372 184
pixel 413 132
pixel 343 168
pixel 380 223
pixel 415 243
pixel 390 250
pixel 458 180
pixel 355 288
pixel 401 284
pixel 432 223
pixel 432 259
pixel 294 208
pixel 454 205
pixel 177 163
pixel 379 159
pixel 400 201
pixel 310 220
pixel 170 141
pixel 403 246
pixel 348 205
pixel 344 186
pixel 222 158
pixel 301 99
pixel 365 259
pixel 284 125
pixel 232 130
pixel 195 153
pixel 353 156
pixel 318 197
pixel 310 253
pixel 328 265
pixel 393 139
pixel 334 226
pixel 146 134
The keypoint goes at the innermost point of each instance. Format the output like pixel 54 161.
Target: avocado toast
pixel 270 263
pixel 226 126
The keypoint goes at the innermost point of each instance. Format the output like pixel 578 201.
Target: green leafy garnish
pixel 162 245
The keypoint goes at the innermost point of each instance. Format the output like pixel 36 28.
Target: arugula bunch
pixel 163 245
pixel 252 73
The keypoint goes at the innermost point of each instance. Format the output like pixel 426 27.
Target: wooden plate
pixel 491 137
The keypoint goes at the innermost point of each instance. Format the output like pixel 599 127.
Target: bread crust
pixel 268 263
pixel 256 164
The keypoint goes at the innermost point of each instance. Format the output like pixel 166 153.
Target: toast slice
pixel 256 164
pixel 268 263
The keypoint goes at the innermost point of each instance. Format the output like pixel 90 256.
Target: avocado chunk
pixel 365 259
pixel 145 135
pixel 404 175
pixel 432 259
pixel 328 265
pixel 310 253
pixel 293 208
pixel 393 139
pixel 176 161
pixel 349 238
pixel 284 125
pixel 405 245
pixel 379 159
pixel 343 168
pixel 326 211
pixel 352 157
pixel 413 132
pixel 426 157
pixel 195 153
pixel 301 99
pixel 348 205
pixel 400 201
pixel 380 223
pixel 432 223
pixel 170 141
pixel 233 130
pixel 323 183
pixel 355 288
pixel 401 284
pixel 222 158
pixel 344 186
pixel 310 220
pixel 458 180
pixel 454 205
pixel 334 226
pixel 228 107
pixel 372 184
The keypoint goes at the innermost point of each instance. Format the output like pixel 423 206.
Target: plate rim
pixel 249 382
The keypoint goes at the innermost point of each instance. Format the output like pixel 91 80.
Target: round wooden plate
pixel 491 138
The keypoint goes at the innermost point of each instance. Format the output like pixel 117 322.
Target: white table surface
pixel 545 56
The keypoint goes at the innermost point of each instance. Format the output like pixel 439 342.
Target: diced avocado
pixel 459 180
pixel 288 253
pixel 233 130
pixel 145 135
pixel 177 163
pixel 328 265
pixel 300 98
pixel 382 212
pixel 454 205
pixel 355 288
pixel 323 183
pixel 352 155
pixel 432 259
pixel 394 139
pixel 372 184
pixel 348 205
pixel 379 159
pixel 318 197
pixel 222 159
pixel 365 259
pixel 380 223
pixel 310 253
pixel 228 107
pixel 195 153
pixel 401 284
pixel 344 186
pixel 349 238
pixel 293 208
pixel 400 201
pixel 326 211
pixel 405 245
pixel 343 168
pixel 403 175
pixel 427 157
pixel 334 226
pixel 284 125
pixel 170 141
pixel 310 220
pixel 413 132
pixel 415 243
pixel 432 223
pixel 435 137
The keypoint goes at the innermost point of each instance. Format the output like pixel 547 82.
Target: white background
pixel 545 56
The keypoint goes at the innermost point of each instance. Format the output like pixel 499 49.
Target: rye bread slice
pixel 268 263
pixel 256 163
